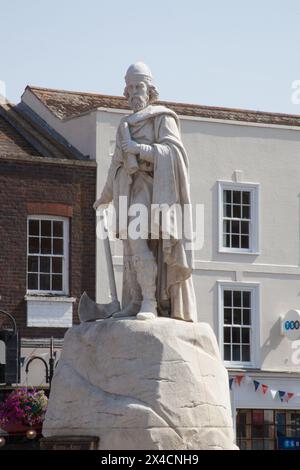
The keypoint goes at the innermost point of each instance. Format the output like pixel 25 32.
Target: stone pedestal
pixel 156 384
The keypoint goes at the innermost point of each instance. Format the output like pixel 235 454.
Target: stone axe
pixel 88 310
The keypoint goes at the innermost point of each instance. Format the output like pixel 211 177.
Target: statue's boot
pixel 135 291
pixel 146 271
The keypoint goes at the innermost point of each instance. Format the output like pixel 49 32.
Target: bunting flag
pixel 289 395
pixel 283 395
pixel 256 384
pixel 273 393
pixel 239 378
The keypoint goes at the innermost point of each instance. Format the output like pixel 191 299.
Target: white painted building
pixel 245 170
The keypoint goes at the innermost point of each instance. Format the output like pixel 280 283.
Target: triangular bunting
pixel 264 388
pixel 256 384
pixel 239 378
pixel 289 396
pixel 248 379
pixel 230 383
pixel 273 393
pixel 281 394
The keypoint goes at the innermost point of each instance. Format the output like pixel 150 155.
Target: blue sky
pixel 220 53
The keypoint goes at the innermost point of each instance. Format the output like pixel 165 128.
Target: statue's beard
pixel 138 102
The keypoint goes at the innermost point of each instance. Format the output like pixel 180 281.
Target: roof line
pixel 171 103
pixel 45 129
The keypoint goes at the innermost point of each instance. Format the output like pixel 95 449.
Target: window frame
pixel 254 288
pixel 65 257
pixel 254 189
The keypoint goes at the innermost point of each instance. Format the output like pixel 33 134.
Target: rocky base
pixel 157 384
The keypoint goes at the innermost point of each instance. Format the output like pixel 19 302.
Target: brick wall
pixel 24 184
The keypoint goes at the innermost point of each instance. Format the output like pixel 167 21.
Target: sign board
pixel 290 324
pixel 289 443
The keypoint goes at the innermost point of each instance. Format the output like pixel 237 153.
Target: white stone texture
pixel 157 384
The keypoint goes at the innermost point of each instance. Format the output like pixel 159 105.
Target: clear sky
pixel 215 52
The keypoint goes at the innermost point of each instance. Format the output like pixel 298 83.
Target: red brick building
pixel 47 230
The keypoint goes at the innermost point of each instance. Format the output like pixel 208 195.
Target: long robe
pixel 159 127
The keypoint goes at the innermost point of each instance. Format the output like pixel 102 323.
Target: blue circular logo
pixel 292 325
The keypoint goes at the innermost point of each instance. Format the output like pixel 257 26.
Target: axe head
pixel 88 310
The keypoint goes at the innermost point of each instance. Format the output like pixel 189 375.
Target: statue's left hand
pixel 130 146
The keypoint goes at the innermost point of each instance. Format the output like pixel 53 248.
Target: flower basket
pixel 22 410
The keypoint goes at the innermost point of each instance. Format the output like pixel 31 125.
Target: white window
pixel 48 255
pixel 239 323
pixel 238 217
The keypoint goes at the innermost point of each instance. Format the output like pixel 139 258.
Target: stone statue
pixel 150 167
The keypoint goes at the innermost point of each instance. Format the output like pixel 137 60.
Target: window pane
pixel 227 316
pixel 227 195
pixel 237 298
pixel 258 423
pixel 34 227
pixel 245 241
pixel 44 282
pixel 269 444
pixel 57 265
pixel 45 245
pixel 245 228
pixel 227 355
pixel 236 356
pixel 236 197
pixel 235 226
pixel 246 212
pixel 236 335
pixel 246 299
pixel 33 264
pixel 227 298
pixel 236 211
pixel 58 229
pixel 258 444
pixel 268 416
pixel 46 228
pixel 34 245
pixel 56 282
pixel 246 317
pixel 246 353
pixel 227 226
pixel 227 210
pixel 44 264
pixel 241 424
pixel 227 336
pixel 237 314
pixel 235 241
pixel 226 241
pixel 33 281
pixel 246 335
pixel 246 197
pixel 57 246
pixel 280 423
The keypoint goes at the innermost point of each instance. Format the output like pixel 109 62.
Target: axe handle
pixel 110 268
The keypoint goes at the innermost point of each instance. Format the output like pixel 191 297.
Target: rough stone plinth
pixel 156 384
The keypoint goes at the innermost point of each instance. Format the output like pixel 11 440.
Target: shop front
pixel 268 429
